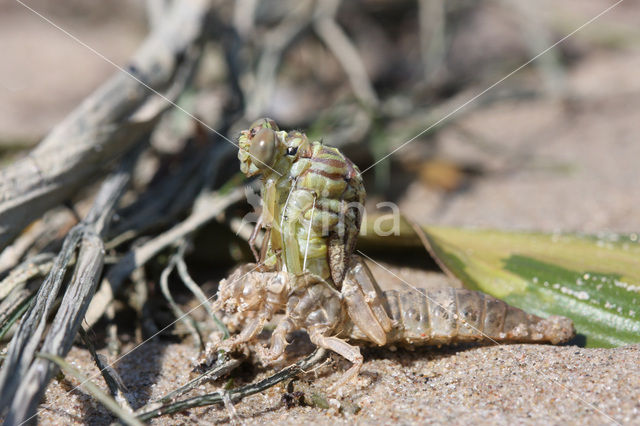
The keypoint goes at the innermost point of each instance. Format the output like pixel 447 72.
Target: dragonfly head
pixel 266 150
pixel 259 146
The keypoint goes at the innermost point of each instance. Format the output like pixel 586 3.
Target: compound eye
pixel 292 150
pixel 263 123
pixel 263 148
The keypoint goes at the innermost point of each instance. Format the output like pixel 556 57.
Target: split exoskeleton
pixel 313 199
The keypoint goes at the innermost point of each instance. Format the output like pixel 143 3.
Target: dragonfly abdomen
pixel 325 185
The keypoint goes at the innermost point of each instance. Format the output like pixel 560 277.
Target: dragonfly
pixel 313 202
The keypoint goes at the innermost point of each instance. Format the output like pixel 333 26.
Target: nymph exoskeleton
pixel 411 318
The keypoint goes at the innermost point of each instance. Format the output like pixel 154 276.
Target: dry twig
pixel 188 321
pixel 206 207
pixel 23 379
pixel 105 125
pixel 346 53
pixel 234 395
pixel 111 377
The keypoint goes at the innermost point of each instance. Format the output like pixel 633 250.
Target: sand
pixel 523 384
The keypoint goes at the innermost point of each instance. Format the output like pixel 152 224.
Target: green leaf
pixel 595 281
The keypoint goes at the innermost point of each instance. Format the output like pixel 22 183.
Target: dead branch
pixel 345 52
pixel 206 207
pixel 104 126
pixel 233 395
pixel 23 379
pixel 274 47
pixel 157 11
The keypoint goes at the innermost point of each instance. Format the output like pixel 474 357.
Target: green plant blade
pixel 595 281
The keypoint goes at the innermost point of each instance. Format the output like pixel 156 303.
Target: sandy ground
pixel 550 167
pixel 517 384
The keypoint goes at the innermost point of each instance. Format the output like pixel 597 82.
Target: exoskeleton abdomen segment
pixel 450 315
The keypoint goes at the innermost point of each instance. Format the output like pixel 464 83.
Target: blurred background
pixel 552 147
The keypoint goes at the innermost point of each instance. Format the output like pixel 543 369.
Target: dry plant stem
pixel 147 327
pixel 171 197
pixel 231 409
pixel 273 48
pixel 157 11
pixel 188 321
pixel 244 16
pixel 218 371
pixel 111 377
pixel 206 207
pixel 38 265
pixel 108 402
pixel 432 17
pixel 32 326
pixel 139 300
pixel 202 298
pixel 11 255
pixel 157 205
pixel 346 53
pixel 10 316
pixel 113 343
pixel 23 379
pixel 236 395
pixel 104 126
pixel 18 288
pixel 43 235
pixel 538 37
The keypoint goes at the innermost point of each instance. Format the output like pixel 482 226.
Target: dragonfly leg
pixel 252 239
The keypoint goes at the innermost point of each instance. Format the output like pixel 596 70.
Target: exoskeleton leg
pixel 248 333
pixel 339 346
pixel 318 308
pixel 250 290
pixel 364 301
pixel 278 341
